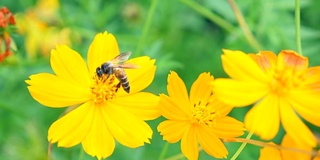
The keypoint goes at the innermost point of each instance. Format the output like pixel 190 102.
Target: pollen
pixel 203 113
pixel 104 88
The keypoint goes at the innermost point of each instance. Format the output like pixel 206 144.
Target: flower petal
pixel 289 142
pixel 258 118
pixel 267 153
pixel 168 129
pixel 103 48
pixel 267 60
pixel 294 126
pixel 228 127
pixel 189 143
pixel 53 91
pixel 69 65
pixel 98 142
pixel 140 78
pixel 201 88
pixel 72 128
pixel 289 58
pixel 307 105
pixel 238 93
pixel 178 91
pixel 210 143
pixel 126 128
pixel 144 105
pixel 240 66
pixel 172 109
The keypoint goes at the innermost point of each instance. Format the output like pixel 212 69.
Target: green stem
pixel 164 151
pixel 298 30
pixel 241 147
pixel 244 27
pixel 208 14
pixel 146 27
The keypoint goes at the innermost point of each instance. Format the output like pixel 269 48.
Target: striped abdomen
pixel 122 77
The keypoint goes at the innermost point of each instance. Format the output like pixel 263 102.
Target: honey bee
pixel 116 67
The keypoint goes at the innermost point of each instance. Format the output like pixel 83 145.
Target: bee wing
pixel 128 66
pixel 122 57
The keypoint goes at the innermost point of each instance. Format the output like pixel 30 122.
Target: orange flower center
pixel 104 88
pixel 285 80
pixel 203 113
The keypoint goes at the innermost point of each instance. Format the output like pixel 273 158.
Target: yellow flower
pixel 281 86
pixel 41 35
pixel 296 151
pixel 105 113
pixel 200 118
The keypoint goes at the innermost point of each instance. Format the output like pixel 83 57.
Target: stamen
pixel 203 113
pixel 104 88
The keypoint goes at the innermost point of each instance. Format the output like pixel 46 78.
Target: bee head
pixel 99 72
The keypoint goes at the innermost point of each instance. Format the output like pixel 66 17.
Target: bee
pixel 116 67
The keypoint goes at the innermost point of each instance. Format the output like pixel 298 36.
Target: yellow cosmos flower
pixel 105 113
pixel 281 86
pixel 200 118
pixel 296 152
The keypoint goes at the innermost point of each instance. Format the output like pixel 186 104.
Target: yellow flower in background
pixel 200 118
pixel 41 28
pixel 105 113
pixel 296 151
pixel 283 88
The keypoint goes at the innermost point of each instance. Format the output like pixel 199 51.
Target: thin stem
pixel 244 27
pixel 298 30
pixel 241 147
pixel 49 151
pixel 146 27
pixel 208 14
pixel 164 151
pixel 264 144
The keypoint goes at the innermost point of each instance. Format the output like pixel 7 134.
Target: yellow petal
pixel 201 88
pixel 210 143
pixel 99 141
pixel 220 107
pixel 144 105
pixel 72 128
pixel 69 65
pixel 126 128
pixel 289 142
pixel 307 104
pixel 140 78
pixel 53 91
pixel 238 93
pixel 228 127
pixel 258 118
pixel 294 127
pixel 267 60
pixel 178 91
pixel 240 66
pixel 268 153
pixel 292 59
pixel 189 144
pixel 103 48
pixel 172 109
pixel 168 129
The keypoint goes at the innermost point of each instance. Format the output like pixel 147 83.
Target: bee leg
pixel 118 86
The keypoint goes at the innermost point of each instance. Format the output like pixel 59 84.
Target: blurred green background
pixel 180 38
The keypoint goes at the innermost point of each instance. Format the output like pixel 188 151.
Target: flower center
pixel 203 113
pixel 286 79
pixel 104 88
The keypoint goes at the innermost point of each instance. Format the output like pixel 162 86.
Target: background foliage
pixel 180 38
